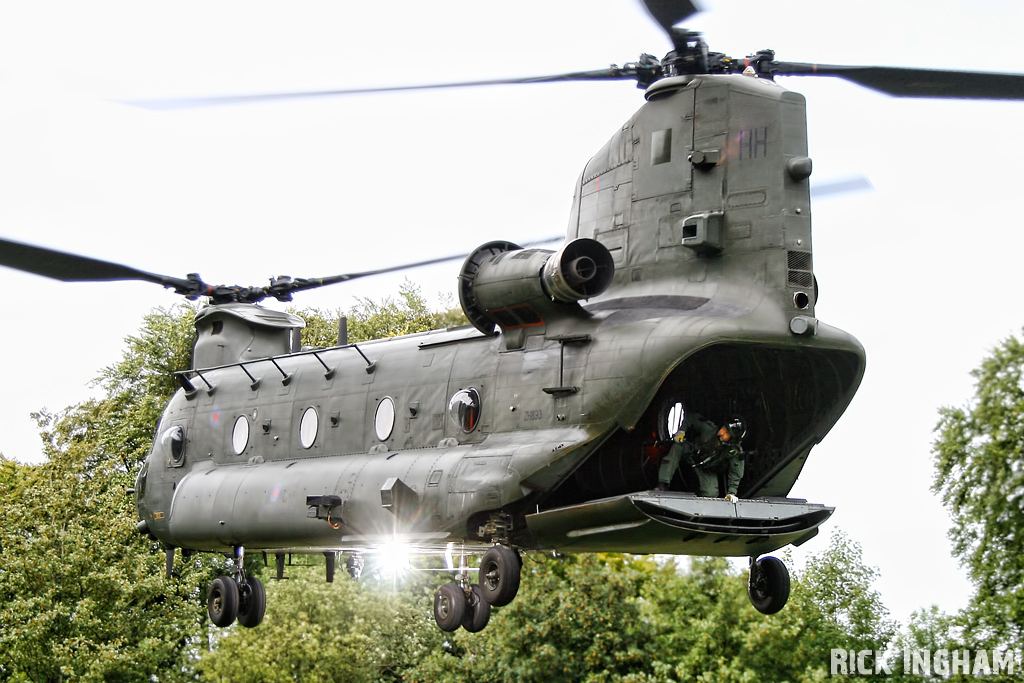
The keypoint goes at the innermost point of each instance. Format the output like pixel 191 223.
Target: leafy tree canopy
pixel 389 317
pixel 327 632
pixel 979 472
pixel 615 617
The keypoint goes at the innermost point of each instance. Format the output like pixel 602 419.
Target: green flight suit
pixel 707 454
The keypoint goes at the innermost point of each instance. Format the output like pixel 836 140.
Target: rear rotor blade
pixel 912 82
pixel 832 188
pixel 310 283
pixel 668 13
pixel 609 74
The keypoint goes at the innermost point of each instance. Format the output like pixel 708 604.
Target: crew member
pixel 710 450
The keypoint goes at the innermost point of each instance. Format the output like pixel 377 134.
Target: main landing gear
pixel 459 603
pixel 237 597
pixel 768 586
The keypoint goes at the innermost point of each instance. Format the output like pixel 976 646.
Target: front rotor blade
pixel 911 82
pixel 668 13
pixel 67 267
pixel 609 74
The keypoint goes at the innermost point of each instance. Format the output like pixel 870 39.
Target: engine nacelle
pixel 505 285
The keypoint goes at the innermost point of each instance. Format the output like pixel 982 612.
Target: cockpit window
pixel 464 409
pixel 140 482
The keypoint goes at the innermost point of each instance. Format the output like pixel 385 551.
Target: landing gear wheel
pixel 449 606
pixel 769 585
pixel 500 571
pixel 253 603
pixel 478 611
pixel 222 601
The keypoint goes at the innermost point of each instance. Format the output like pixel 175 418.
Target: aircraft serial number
pixel 530 415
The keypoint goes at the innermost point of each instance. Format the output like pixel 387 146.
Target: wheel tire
pixel 500 571
pixel 478 611
pixel 222 601
pixel 449 606
pixel 253 603
pixel 769 585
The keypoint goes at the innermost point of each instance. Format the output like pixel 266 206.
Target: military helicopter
pixel 686 284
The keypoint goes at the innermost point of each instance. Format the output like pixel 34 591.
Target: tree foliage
pixel 370 319
pixel 136 389
pixel 327 632
pixel 613 617
pixel 847 612
pixel 979 472
pixel 575 619
pixel 82 595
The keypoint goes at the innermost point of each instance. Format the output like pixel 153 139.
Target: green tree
pixel 82 595
pixel 930 630
pixel 321 328
pixel 835 589
pixel 708 631
pixel 979 472
pixel 576 618
pixel 613 617
pixel 391 317
pixel 331 632
pixel 370 319
pixel 136 389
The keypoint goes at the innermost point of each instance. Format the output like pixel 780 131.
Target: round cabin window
pixel 670 417
pixel 174 441
pixel 308 426
pixel 384 419
pixel 464 409
pixel 673 418
pixel 240 434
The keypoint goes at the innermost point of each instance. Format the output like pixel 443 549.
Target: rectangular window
pixel 661 146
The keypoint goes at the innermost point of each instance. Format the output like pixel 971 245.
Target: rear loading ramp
pixel 677 524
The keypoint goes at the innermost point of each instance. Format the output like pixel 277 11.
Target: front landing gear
pixel 238 597
pixel 253 603
pixel 222 601
pixel 768 586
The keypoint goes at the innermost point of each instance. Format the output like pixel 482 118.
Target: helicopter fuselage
pixel 524 428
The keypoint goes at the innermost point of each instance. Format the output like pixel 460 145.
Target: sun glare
pixel 394 558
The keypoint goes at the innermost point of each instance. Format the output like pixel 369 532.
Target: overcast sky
pixel 924 270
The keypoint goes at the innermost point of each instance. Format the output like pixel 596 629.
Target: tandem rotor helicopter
pixel 686 283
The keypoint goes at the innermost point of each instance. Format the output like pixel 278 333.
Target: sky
pixel 923 269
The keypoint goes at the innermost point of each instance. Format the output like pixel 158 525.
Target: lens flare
pixel 394 558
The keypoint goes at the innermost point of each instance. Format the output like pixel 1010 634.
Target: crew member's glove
pixel 731 498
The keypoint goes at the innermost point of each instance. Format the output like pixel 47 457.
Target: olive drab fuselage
pixel 544 424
